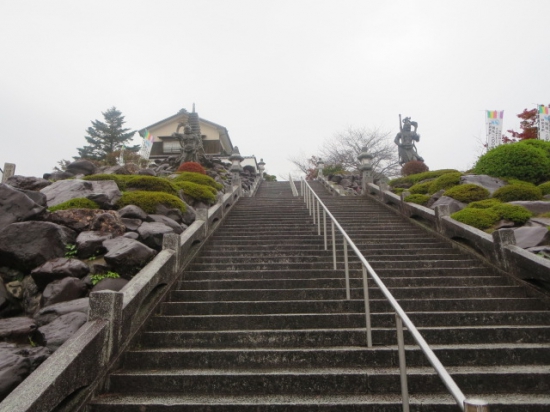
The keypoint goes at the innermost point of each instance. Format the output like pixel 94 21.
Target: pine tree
pixel 106 137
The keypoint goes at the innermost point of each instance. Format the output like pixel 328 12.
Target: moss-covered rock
pixel 484 204
pixel 138 182
pixel 148 201
pixel 518 191
pixel 515 213
pixel 419 199
pixel 421 188
pixel 445 181
pixel 467 193
pixel 198 192
pixel 478 218
pixel 408 181
pixel 77 203
pixel 199 179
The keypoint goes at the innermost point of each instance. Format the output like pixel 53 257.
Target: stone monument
pixel 405 141
pixel 190 143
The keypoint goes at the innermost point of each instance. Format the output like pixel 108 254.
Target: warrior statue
pixel 405 141
pixel 190 143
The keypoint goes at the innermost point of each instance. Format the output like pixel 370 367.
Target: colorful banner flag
pixel 147 143
pixel 493 123
pixel 544 123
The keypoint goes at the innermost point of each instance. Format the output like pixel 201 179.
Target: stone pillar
pixel 383 188
pixel 440 212
pixel 501 239
pixel 172 241
pixel 202 214
pixel 107 305
pixel 9 171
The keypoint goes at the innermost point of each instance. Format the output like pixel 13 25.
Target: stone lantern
pixel 366 167
pixel 261 168
pixel 320 167
pixel 236 167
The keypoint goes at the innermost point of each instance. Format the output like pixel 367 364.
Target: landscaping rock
pixel 176 227
pixel 110 284
pixel 13 368
pixel 49 313
pixel 527 237
pixel 174 214
pixel 90 243
pixel 108 222
pixel 64 190
pixel 15 289
pixel 152 234
pixel 63 290
pixel 131 235
pixel 17 329
pixel 132 212
pixel 538 221
pixel 189 216
pixel 28 183
pixel 26 245
pixel 59 330
pixel 82 167
pixel 31 296
pixel 58 268
pixel 127 256
pixel 131 224
pixel 454 205
pixel 15 206
pixel 535 206
pixel 488 182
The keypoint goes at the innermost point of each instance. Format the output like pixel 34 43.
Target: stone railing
pixel 499 248
pixel 254 187
pixel 69 377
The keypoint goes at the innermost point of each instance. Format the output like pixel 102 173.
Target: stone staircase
pixel 259 322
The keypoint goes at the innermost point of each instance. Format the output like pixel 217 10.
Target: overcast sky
pixel 282 76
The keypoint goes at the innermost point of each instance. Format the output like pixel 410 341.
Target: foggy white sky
pixel 282 76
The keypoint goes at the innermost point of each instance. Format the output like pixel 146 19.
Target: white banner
pixel 146 145
pixel 493 122
pixel 544 123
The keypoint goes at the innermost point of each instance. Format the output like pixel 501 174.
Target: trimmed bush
pixel 138 182
pixel 419 199
pixel 518 191
pixel 77 203
pixel 539 144
pixel 545 188
pixel 118 179
pixel 414 167
pixel 521 160
pixel 201 193
pixel 484 204
pixel 192 167
pixel 517 214
pixel 198 179
pixel 467 193
pixel 421 188
pixel 445 181
pixel 408 181
pixel 148 201
pixel 478 218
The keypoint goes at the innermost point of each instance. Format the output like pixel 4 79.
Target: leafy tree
pixel 529 127
pixel 106 137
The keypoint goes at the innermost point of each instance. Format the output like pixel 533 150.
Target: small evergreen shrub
pixel 539 144
pixel 198 179
pixel 518 191
pixel 484 204
pixel 98 278
pixel 192 167
pixel 467 193
pixel 138 182
pixel 414 167
pixel 445 181
pixel 545 188
pixel 329 170
pixel 521 160
pixel 478 218
pixel 517 214
pixel 148 201
pixel 419 199
pixel 198 192
pixel 77 203
pixel 118 179
pixel 421 188
pixel 408 181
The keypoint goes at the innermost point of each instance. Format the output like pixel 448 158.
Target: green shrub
pixel 517 214
pixel 478 218
pixel 539 144
pixel 445 181
pixel 484 204
pixel 333 169
pixel 421 188
pixel 419 199
pixel 518 191
pixel 148 201
pixel 198 192
pixel 118 179
pixel 408 181
pixel 521 160
pixel 545 188
pixel 467 193
pixel 77 203
pixel 198 179
pixel 138 182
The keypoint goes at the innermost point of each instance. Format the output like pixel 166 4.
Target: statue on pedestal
pixel 190 143
pixel 405 141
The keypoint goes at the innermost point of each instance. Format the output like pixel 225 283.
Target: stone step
pixel 310 338
pixel 211 250
pixel 344 306
pixel 342 320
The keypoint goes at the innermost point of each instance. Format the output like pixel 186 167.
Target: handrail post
pixel 367 307
pixel 402 363
pixel 346 268
pixel 333 244
pixel 319 218
pixel 325 227
pixel 475 405
pixel 313 209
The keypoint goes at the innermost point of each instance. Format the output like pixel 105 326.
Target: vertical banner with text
pixel 147 143
pixel 544 123
pixel 493 122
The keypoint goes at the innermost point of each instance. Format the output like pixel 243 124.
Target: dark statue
pixel 190 143
pixel 405 141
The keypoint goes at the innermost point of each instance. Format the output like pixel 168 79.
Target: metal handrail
pixel 314 203
pixel 292 186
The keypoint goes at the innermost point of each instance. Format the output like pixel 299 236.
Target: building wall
pixel 169 128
